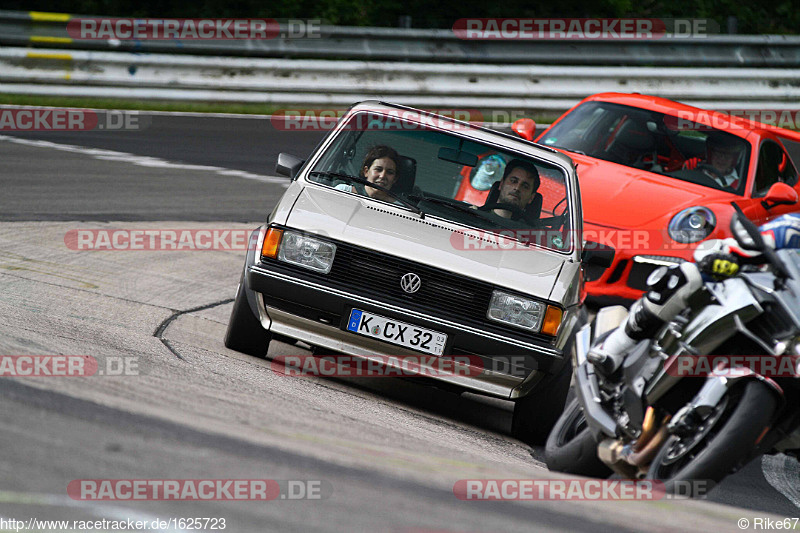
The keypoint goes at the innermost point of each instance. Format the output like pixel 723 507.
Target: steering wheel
pixel 516 212
pixel 704 169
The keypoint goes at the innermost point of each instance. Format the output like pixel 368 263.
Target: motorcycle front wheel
pixel 693 463
pixel 571 448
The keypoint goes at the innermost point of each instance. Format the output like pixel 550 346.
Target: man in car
pixel 517 189
pixel 722 155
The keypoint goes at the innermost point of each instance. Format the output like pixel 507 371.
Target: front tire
pixel 571 447
pixel 245 333
pixel 536 414
pixel 723 444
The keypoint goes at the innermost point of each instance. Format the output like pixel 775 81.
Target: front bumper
pixel 317 314
pixel 626 277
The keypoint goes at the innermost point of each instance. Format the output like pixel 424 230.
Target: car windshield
pixel 450 176
pixel 669 145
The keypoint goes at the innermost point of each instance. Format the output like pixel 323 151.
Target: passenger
pixel 379 167
pixel 722 155
pixel 517 188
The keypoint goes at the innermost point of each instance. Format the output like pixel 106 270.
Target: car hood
pixel 431 241
pixel 622 197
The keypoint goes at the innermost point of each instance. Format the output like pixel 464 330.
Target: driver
pixel 722 155
pixel 517 189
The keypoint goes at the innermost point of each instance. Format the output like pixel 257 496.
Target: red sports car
pixel 658 177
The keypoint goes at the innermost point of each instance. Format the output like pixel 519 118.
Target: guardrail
pixel 358 43
pixel 329 83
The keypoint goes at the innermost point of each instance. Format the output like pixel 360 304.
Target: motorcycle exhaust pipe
pixel 644 457
pixel 649 428
pixel 630 459
pixel 611 452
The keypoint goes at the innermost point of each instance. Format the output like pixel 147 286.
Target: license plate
pixel 396 332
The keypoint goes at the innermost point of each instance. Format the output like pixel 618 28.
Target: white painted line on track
pixel 146 161
pixel 110 512
pixel 783 473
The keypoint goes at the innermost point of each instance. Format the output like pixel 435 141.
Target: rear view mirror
pixel 779 194
pixel 458 156
pixel 597 254
pixel 288 165
pixel 525 128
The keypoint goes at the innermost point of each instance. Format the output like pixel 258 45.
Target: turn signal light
pixel 552 319
pixel 271 242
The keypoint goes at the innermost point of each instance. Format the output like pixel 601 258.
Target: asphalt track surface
pixel 388 452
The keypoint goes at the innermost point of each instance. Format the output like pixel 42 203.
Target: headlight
pixel 516 311
pixel 307 252
pixel 692 224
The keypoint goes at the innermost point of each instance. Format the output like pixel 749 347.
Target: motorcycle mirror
pixel 745 231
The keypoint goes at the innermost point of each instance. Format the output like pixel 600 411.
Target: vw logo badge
pixel 410 283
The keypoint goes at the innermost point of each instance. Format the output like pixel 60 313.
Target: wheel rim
pixel 684 445
pixel 683 450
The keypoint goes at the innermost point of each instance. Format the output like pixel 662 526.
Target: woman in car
pixel 379 167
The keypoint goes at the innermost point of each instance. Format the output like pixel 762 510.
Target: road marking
pixel 146 161
pixel 103 509
pixel 782 472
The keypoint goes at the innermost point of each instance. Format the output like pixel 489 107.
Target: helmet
pixel 783 231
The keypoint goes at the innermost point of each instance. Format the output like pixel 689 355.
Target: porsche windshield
pixel 450 176
pixel 663 144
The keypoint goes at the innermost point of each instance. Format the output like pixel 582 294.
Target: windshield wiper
pixel 459 207
pixel 363 181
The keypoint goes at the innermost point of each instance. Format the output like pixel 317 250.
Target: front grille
pixel 378 275
pixel 443 294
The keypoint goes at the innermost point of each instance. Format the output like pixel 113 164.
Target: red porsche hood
pixel 622 197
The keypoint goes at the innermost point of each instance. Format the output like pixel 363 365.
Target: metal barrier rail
pixel 326 83
pixel 341 42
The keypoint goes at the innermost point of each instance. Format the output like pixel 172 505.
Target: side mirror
pixel 525 128
pixel 779 194
pixel 288 165
pixel 597 254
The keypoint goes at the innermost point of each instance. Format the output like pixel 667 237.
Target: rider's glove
pixel 719 266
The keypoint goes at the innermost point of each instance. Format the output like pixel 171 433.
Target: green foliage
pixel 775 16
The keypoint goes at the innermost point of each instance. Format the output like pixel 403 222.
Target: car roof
pixel 734 124
pixel 467 129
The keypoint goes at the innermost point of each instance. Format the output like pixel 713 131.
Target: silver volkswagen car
pixel 409 233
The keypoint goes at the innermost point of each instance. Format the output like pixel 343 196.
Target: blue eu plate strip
pixel 355 320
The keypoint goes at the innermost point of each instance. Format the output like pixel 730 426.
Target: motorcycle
pixel 641 417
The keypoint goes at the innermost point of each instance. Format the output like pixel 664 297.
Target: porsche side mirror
pixel 779 194
pixel 525 128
